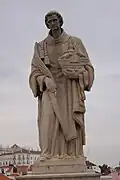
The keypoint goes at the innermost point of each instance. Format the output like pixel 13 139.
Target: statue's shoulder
pixel 76 40
pixel 40 43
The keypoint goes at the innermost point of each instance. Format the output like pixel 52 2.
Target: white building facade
pixel 18 156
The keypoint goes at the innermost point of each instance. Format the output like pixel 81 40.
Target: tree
pixel 105 169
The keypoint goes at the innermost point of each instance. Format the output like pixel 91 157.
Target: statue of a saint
pixel 61 72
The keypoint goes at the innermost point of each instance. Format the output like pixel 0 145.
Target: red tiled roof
pixel 30 168
pixel 14 174
pixel 2 177
pixel 22 169
pixel 9 170
pixel 4 166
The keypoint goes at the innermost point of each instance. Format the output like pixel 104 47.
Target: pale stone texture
pixel 65 176
pixel 58 166
pixel 61 72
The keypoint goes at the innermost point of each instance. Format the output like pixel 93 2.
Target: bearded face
pixel 53 22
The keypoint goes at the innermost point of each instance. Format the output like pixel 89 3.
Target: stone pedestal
pixel 60 169
pixel 58 166
pixel 63 176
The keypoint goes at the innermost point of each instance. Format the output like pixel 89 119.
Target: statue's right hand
pixel 51 86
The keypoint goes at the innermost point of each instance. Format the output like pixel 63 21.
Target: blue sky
pixel 97 24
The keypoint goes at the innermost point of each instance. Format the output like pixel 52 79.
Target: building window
pixel 19 157
pixel 28 162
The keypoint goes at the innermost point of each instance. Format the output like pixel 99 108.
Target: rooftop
pixel 17 149
pixel 3 177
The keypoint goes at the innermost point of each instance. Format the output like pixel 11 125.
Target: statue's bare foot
pixel 80 156
pixel 64 156
pixel 61 157
pixel 73 157
pixel 56 156
pixel 44 157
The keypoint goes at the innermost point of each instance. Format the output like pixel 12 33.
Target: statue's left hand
pixel 51 86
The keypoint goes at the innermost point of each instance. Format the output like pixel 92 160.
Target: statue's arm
pixel 36 78
pixel 80 45
pixel 88 75
pixel 40 78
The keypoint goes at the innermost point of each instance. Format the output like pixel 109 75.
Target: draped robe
pixel 61 117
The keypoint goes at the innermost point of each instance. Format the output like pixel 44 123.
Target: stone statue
pixel 61 72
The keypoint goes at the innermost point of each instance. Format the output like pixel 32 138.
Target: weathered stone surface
pixel 61 72
pixel 59 166
pixel 64 176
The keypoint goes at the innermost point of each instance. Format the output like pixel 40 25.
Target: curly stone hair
pixel 53 13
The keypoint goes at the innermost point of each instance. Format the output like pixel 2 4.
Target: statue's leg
pixel 47 120
pixel 75 147
pixel 71 147
pixel 62 144
pixel 79 145
pixel 55 138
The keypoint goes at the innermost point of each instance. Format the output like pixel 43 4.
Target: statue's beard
pixel 55 28
pixel 56 31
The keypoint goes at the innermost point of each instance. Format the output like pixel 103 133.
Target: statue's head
pixel 53 20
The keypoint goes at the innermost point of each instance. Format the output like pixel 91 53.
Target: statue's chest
pixel 55 51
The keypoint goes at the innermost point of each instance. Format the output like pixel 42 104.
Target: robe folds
pixel 61 115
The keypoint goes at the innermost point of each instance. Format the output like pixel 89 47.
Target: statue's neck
pixel 61 39
pixel 57 33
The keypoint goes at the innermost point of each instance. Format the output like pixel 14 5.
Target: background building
pixel 17 156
